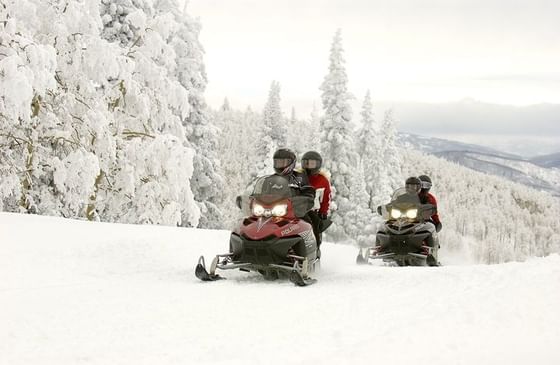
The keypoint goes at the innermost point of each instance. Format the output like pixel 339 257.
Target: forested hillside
pixel 493 219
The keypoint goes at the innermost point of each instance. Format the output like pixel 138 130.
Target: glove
pixel 438 227
pixel 323 216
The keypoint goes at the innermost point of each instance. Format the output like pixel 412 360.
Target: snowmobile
pixel 407 237
pixel 273 239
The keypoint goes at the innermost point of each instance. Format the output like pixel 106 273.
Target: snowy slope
pixel 521 171
pixel 536 173
pixel 552 160
pixel 435 145
pixel 76 292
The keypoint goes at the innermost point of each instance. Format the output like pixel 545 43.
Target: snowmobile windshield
pixel 270 189
pixel 405 205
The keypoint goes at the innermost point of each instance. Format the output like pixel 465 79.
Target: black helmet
pixel 425 182
pixel 284 161
pixel 311 161
pixel 412 185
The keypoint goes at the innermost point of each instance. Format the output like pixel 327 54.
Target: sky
pixel 405 52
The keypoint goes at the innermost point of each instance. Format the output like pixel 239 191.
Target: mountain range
pixel 541 173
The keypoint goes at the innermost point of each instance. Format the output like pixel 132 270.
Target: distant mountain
pixel 520 171
pixel 552 160
pixel 537 173
pixel 530 130
pixel 435 145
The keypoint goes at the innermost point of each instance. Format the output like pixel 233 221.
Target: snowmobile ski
pixel 299 280
pixel 362 259
pixel 203 274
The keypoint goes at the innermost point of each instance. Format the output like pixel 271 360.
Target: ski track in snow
pixel 74 292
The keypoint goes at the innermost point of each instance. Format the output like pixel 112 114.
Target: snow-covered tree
pixel 488 218
pixel 391 156
pixel 116 16
pixel 337 144
pixel 101 117
pixel 272 116
pixel 372 156
pixel 272 133
pixel 300 135
pixel 207 182
pixel 315 129
pixel 359 222
pixel 238 157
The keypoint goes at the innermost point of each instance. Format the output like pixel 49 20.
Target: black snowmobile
pixel 407 237
pixel 273 239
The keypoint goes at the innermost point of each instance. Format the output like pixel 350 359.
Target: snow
pixel 80 292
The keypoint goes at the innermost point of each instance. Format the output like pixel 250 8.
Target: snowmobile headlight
pixel 280 210
pixel 411 213
pixel 395 213
pixel 258 210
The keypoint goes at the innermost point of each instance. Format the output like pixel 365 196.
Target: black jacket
pixel 299 182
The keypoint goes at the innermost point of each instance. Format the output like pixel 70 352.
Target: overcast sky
pixel 495 51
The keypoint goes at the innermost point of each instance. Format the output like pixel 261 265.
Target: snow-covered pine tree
pixel 273 118
pixel 487 217
pixel 116 17
pixel 272 133
pixel 359 222
pixel 63 132
pixel 299 135
pixel 314 129
pixel 237 150
pixel 337 145
pixel 150 108
pixel 392 159
pixel 207 181
pixel 371 153
pixel 107 138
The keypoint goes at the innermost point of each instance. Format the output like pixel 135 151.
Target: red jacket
pixel 430 199
pixel 322 191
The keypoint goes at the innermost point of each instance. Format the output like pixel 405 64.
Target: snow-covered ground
pixel 74 292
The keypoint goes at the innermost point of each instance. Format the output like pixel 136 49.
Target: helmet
pixel 412 185
pixel 311 161
pixel 284 161
pixel 426 182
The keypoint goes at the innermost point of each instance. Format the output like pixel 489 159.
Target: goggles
pixel 280 163
pixel 310 164
pixel 426 185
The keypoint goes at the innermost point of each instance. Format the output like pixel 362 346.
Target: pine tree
pixel 207 181
pixel 315 129
pixel 337 145
pixel 272 133
pixel 391 157
pixel 372 155
pixel 106 138
pixel 272 116
pixel 359 221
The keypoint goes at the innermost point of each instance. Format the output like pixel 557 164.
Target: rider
pixel 427 198
pixel 284 162
pixel 311 162
pixel 413 185
pixel 421 185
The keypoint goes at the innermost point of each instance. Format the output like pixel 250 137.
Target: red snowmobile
pixel 273 240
